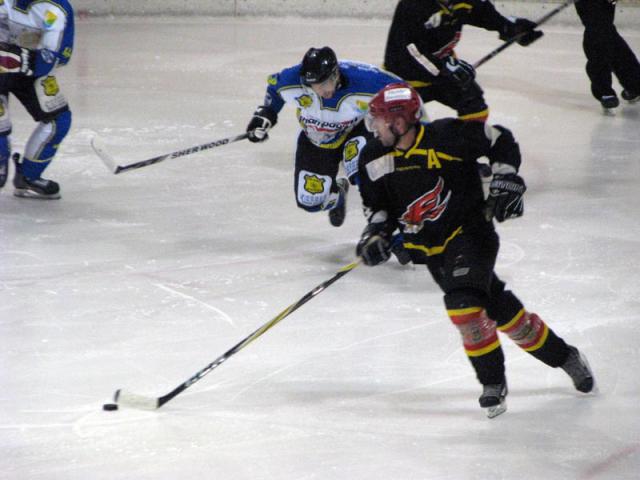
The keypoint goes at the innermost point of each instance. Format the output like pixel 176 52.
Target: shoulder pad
pixel 378 168
pixel 285 78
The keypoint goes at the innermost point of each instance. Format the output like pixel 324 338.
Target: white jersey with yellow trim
pixel 326 122
pixel 44 25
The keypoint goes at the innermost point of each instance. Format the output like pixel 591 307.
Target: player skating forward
pixel 36 36
pixel 331 99
pixel 422 178
pixel 421 42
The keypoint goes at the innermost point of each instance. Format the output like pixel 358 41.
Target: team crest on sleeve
pixel 351 155
pixel 49 19
pixel 313 184
pixel 350 150
pixel 272 79
pixel 305 101
pixel 362 105
pixel 426 208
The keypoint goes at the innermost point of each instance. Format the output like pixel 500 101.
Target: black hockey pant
pixel 607 52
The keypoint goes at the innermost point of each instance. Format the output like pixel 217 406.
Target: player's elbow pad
pixel 44 62
pixel 504 148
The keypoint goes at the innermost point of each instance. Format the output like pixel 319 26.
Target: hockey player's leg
pixel 316 186
pixel 577 367
pixel 597 18
pixel 5 143
pixel 338 210
pixel 40 150
pixel 39 188
pixel 631 96
pixel 627 68
pixel 464 271
pixel 533 335
pixel 316 192
pixel 467 101
pixel 482 346
pixel 47 105
pixel 5 153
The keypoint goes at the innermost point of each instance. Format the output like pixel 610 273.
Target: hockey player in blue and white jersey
pixel 331 99
pixel 36 36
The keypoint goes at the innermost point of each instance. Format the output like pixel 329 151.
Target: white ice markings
pixel 222 314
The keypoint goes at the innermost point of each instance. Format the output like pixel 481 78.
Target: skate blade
pixel 496 410
pixel 609 112
pixel 26 193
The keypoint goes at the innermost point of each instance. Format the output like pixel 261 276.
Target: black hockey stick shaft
pixel 180 153
pixel 111 164
pixel 157 403
pixel 513 40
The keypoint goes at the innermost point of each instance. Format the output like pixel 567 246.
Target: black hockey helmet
pixel 318 64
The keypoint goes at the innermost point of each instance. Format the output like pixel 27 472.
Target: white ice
pixel 139 280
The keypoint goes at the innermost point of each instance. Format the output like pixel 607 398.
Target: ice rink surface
pixel 139 280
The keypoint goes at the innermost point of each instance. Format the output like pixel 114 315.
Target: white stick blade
pixel 132 400
pixel 99 147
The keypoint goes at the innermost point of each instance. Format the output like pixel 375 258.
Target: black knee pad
pixel 503 307
pixel 465 298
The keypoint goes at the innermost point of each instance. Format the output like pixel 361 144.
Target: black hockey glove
pixel 459 71
pixel 374 246
pixel 523 27
pixel 262 121
pixel 505 197
pixel 15 59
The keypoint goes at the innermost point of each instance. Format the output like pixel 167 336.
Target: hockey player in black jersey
pixel 420 49
pixel 422 178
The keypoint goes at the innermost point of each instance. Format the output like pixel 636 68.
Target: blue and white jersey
pixel 43 25
pixel 327 122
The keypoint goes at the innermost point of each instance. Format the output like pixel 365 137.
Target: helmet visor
pixel 374 124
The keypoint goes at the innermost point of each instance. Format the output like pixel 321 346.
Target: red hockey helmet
pixel 393 101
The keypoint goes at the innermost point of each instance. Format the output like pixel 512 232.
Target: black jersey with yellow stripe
pixel 433 191
pixel 434 27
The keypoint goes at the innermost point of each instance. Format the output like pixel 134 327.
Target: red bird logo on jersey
pixel 427 208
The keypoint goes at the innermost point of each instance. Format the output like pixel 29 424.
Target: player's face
pixel 326 89
pixel 381 129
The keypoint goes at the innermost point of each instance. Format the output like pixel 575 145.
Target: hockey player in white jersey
pixel 36 36
pixel 331 99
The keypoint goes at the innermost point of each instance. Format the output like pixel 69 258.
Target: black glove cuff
pixel 267 113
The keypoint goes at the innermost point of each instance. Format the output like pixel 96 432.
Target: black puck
pixel 109 407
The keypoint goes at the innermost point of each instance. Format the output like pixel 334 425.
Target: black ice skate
pixel 578 369
pixel 338 213
pixel 631 97
pixel 40 188
pixel 609 102
pixel 493 398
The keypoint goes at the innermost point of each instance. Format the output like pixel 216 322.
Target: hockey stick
pixel 128 399
pixel 512 40
pixel 109 161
